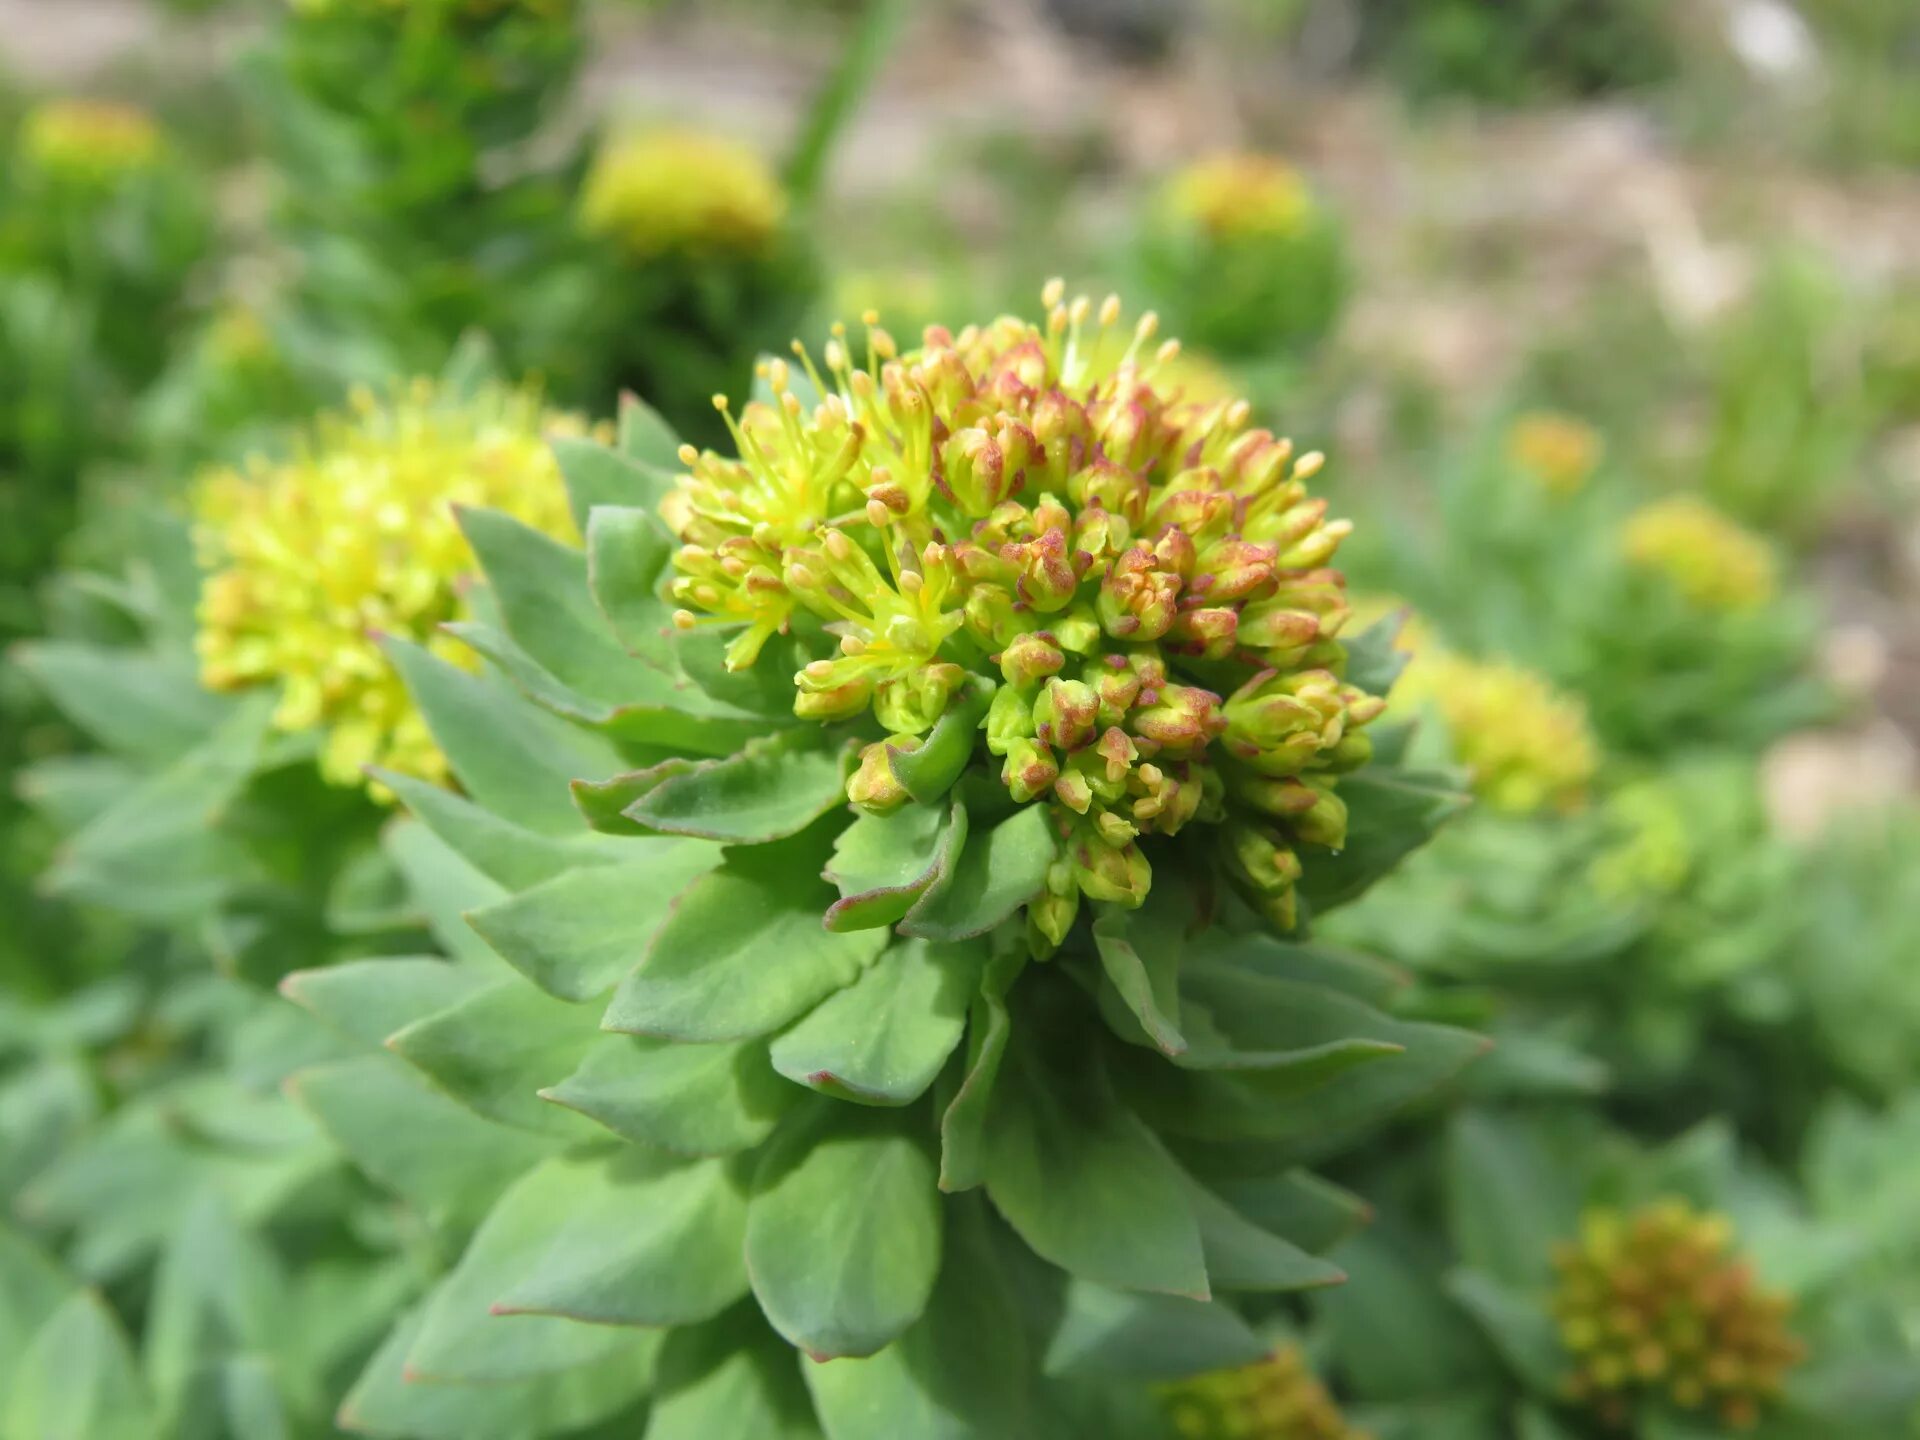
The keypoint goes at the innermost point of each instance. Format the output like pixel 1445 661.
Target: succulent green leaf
pixel 368 1000
pixel 730 1377
pixel 505 853
pixel 1242 1255
pixel 775 787
pixel 628 551
pixel 883 864
pixel 644 709
pixel 492 1050
pixel 412 1139
pixel 998 873
pixel 386 1404
pixel 1140 952
pixel 443 887
pixel 1314 1213
pixel 629 1237
pixel 928 771
pixel 1082 1180
pixel 1124 1335
pixel 1313 962
pixel 646 438
pixel 76 1380
pixel 462 1340
pixel 512 757
pixel 960 1373
pixel 883 1039
pixel 1518 1325
pixel 603 802
pixel 1396 1336
pixel 685 1099
pixel 844 1229
pixel 963 1119
pixel 575 935
pixel 597 475
pixel 71 790
pixel 764 688
pixel 148 705
pixel 1390 814
pixel 743 953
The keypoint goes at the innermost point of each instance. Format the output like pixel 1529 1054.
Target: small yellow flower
pixel 1558 452
pixel 1713 562
pixel 352 536
pixel 1527 746
pixel 1651 1307
pixel 1239 196
pixel 238 339
pixel 89 141
pixel 682 191
pixel 1277 1398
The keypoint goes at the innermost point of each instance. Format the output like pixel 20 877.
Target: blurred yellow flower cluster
pixel 1527 746
pixel 1558 452
pixel 1277 1398
pixel 1241 195
pixel 311 558
pixel 1712 561
pixel 666 191
pixel 89 141
pixel 1652 1304
pixel 1651 850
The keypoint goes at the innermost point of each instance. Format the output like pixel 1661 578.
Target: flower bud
pixel 1234 569
pixel 1031 657
pixel 1184 720
pixel 1116 687
pixel 909 704
pixel 1117 874
pixel 1047 578
pixel 1325 821
pixel 1206 632
pixel 1030 769
pixel 1009 719
pixel 990 615
pixel 1136 600
pixel 872 785
pixel 1076 631
pixel 1065 713
pixel 972 471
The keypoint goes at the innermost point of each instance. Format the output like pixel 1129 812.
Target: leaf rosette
pixel 791 1010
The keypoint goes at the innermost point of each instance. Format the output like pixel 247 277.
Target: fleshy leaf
pixel 509 854
pixel 628 552
pixel 743 953
pixel 928 771
pixel 1140 952
pixel 370 999
pixel 646 438
pixel 1124 1335
pixel 76 1380
pixel 1374 656
pixel 883 864
pixel 686 1099
pixel 494 1049
pixel 1085 1184
pixel 512 757
pixel 150 705
pixel 729 1377
pixel 963 1119
pixel 577 934
pixel 883 1039
pixel 775 787
pixel 998 872
pixel 1242 1255
pixel 1390 814
pixel 597 475
pixel 632 1238
pixel 844 1229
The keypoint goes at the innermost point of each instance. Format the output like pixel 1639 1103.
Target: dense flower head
pixel 1714 562
pixel 1558 452
pixel 1526 745
pixel 1277 1398
pixel 89 141
pixel 1133 587
pixel 1241 195
pixel 1651 1304
pixel 674 191
pixel 312 558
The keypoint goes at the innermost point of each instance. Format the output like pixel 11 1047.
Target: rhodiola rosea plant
pixel 894 843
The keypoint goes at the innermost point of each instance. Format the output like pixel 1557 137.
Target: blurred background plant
pixel 1608 311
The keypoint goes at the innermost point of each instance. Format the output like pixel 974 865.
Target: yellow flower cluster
pixel 1021 511
pixel 1651 1305
pixel 1715 563
pixel 1558 452
pixel 1650 852
pixel 659 192
pixel 311 558
pixel 1239 196
pixel 89 141
pixel 1527 746
pixel 1277 1398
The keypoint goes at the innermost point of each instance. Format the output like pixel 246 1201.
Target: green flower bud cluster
pixel 1127 591
pixel 1650 1304
pixel 1277 1398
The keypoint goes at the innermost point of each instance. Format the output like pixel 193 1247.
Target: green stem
pixel 852 76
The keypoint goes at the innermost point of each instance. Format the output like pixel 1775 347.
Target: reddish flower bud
pixel 1030 769
pixel 1065 713
pixel 1137 598
pixel 1030 657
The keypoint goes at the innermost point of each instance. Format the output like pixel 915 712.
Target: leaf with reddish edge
pixel 884 864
